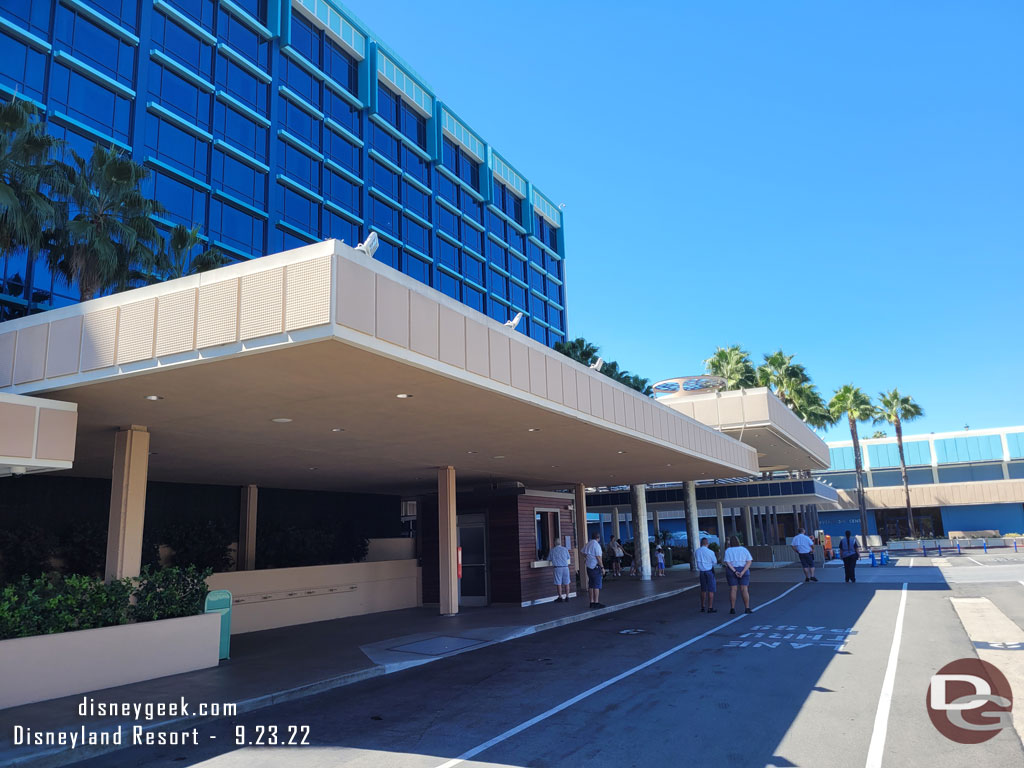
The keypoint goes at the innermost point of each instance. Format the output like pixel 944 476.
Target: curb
pixel 60 757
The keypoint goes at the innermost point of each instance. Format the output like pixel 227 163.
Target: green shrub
pixel 169 593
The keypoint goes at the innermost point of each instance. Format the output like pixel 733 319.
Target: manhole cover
pixel 437 646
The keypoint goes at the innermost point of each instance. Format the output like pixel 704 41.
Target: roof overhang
pixel 759 419
pixel 327 337
pixel 36 435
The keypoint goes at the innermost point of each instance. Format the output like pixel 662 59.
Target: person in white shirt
pixel 559 557
pixel 737 562
pixel 849 550
pixel 804 547
pixel 706 561
pixel 594 554
pixel 617 554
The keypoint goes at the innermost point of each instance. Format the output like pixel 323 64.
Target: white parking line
pixel 911 563
pixel 600 687
pixel 877 746
pixel 974 561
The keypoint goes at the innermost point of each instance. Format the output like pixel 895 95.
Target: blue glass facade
pixel 274 124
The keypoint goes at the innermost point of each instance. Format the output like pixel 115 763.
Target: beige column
pixel 127 502
pixel 446 541
pixel 581 533
pixel 720 519
pixel 692 523
pixel 246 555
pixel 657 525
pixel 615 523
pixel 641 549
pixel 748 528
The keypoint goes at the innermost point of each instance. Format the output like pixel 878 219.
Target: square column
pixel 748 528
pixel 692 522
pixel 641 548
pixel 615 522
pixel 127 503
pixel 447 537
pixel 720 519
pixel 580 519
pixel 656 520
pixel 246 556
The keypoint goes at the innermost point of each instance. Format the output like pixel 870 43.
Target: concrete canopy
pixel 328 338
pixel 36 435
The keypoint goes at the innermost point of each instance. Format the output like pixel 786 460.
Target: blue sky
pixel 843 180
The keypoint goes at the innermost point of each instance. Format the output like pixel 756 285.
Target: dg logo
pixel 969 701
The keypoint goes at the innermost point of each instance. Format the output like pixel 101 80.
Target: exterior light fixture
pixel 403 396
pixel 533 429
pixel 337 429
pixel 154 397
pixel 470 452
pixel 281 420
pixel 621 452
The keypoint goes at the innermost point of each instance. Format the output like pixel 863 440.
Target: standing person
pixel 849 551
pixel 634 563
pixel 559 557
pixel 617 554
pixel 595 567
pixel 737 572
pixel 804 547
pixel 659 556
pixel 706 561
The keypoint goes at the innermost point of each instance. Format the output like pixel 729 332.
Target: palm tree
pixel 173 261
pixel 29 175
pixel 851 401
pixel 579 349
pixel 732 364
pixel 111 237
pixel 895 408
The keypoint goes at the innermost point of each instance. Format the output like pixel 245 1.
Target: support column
pixel 615 523
pixel 447 537
pixel 641 549
pixel 692 523
pixel 245 559
pixel 748 528
pixel 720 519
pixel 127 502
pixel 733 524
pixel 580 520
pixel 775 524
pixel 657 526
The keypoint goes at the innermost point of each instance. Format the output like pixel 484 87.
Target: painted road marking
pixel 974 561
pixel 911 563
pixel 598 688
pixel 877 746
pixel 792 636
pixel 989 628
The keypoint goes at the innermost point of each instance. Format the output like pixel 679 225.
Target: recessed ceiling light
pixel 281 421
pixel 470 452
pixel 533 429
pixel 497 457
pixel 554 466
pixel 403 396
pixel 668 465
pixel 337 429
pixel 621 451
pixel 154 397
pixel 611 475
pixel 313 469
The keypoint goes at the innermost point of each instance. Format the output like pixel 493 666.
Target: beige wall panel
pixel 520 360
pixel 176 323
pixel 685 408
pixel 477 354
pixel 17 430
pixel 569 397
pixel 218 314
pixel 554 378
pixel 452 337
pixel 608 401
pixel 596 398
pixel 63 346
pixel 57 431
pixel 392 312
pixel 730 410
pixel 99 338
pixel 262 304
pixel 755 408
pixel 307 288
pixel 501 356
pixel 582 390
pixel 7 341
pixel 356 297
pixel 629 412
pixel 30 354
pixel 706 412
pixel 422 325
pixel 619 400
pixel 136 331
pixel 538 373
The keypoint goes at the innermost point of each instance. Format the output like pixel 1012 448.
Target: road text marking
pixel 877 745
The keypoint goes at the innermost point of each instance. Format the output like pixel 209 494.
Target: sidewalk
pixel 279 665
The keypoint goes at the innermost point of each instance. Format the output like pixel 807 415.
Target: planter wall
pixel 50 666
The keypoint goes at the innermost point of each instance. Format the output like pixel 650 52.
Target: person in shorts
pixel 659 557
pixel 559 557
pixel 804 548
pixel 617 554
pixel 706 561
pixel 594 555
pixel 737 562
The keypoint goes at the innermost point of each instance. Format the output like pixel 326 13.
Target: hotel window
pixel 184 204
pixel 447 189
pixel 241 85
pixel 90 103
pixel 384 142
pixel 182 46
pixel 305 39
pixel 93 45
pixel 497 310
pixel 546 233
pixel 537 332
pixel 416 235
pixel 22 67
pixel 459 162
pixel 339 228
pixel 299 166
pixel 301 211
pixel 384 179
pixel 447 221
pixel 416 268
pixel 473 298
pixel 547 531
pixel 179 95
pixel 517 268
pixel 415 200
pixel 341 67
pixel 447 254
pixel 473 269
pixel 200 11
pixel 387 253
pixel 300 123
pixel 256 8
pixel 401 115
pixel 516 240
pixel 176 147
pixel 383 216
pixel 496 254
pixel 236 228
pixel 240 131
pixel 301 82
pixel 338 149
pixel 341 191
pixel 473 238
pixel 449 285
pixel 517 295
pixel 241 180
pixel 508 202
pixel 242 39
pixel 472 207
pixel 415 166
pixel 33 15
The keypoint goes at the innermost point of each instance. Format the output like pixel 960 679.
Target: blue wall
pixel 835 524
pixel 1005 518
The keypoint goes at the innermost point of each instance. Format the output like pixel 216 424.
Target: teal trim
pixel 452 240
pixel 418 184
pixel 345 172
pixel 282 224
pixel 475 256
pixel 18 95
pixel 244 17
pixel 538 294
pixel 418 253
pixel 545 246
pixel 450 271
pixel 385 236
pixel 556 305
pixel 184 21
pixel 300 102
pixel 971 448
pixel 417 218
pixel 450 206
pixel 24 35
pixel 185 125
pixel 342 131
pixel 499 270
pixel 472 282
pixel 242 255
pixel 297 187
pixel 238 154
pixel 60 117
pixel 384 198
pixel 243 62
pixel 342 212
pixel 400 136
pixel 228 198
pixel 841 458
pixel 100 20
pixel 319 74
pixel 518 282
pixel 538 269
pixel 93 74
pixel 300 145
pixel 515 224
pixel 342 91
pixel 182 71
pixel 500 299
pixel 451 176
pixel 172 224
pixel 238 106
pixel 473 223
pixel 495 238
pixel 384 161
pixel 179 174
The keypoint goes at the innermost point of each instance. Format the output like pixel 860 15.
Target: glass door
pixel 472 530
